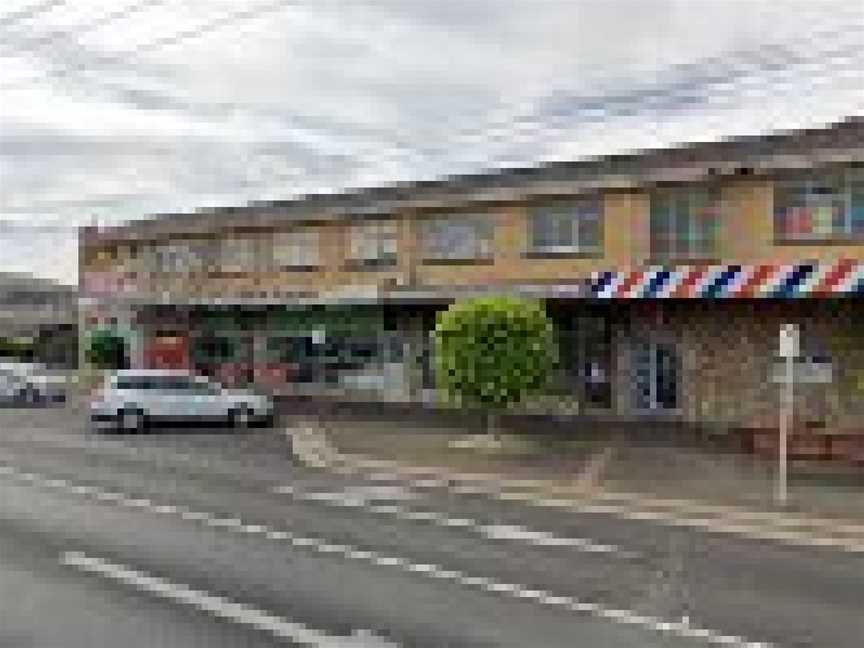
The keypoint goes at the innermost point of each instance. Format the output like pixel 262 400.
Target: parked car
pixel 30 384
pixel 132 400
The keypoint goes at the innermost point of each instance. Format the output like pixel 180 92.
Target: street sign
pixel 806 372
pixel 789 351
pixel 789 344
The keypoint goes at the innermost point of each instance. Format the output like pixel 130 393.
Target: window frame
pixel 306 241
pixel 473 221
pixel 374 236
pixel 226 262
pixel 688 243
pixel 847 189
pixel 566 212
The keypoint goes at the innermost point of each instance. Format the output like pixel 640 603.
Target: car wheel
pixel 131 420
pixel 31 396
pixel 241 418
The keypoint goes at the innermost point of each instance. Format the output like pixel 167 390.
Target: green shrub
pixel 107 350
pixel 493 352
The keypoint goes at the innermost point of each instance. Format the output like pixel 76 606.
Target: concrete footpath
pixel 680 486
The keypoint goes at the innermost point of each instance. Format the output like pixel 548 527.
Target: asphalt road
pixel 214 538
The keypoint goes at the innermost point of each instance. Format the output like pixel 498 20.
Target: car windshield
pixel 163 383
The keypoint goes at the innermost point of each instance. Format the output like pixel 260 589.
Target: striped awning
pixel 780 281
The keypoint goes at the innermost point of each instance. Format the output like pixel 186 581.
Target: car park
pixel 135 400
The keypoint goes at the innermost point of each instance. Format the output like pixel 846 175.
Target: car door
pixel 190 397
pixel 206 399
pixel 10 383
pixel 152 395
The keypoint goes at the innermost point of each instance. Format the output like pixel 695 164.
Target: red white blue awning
pixel 780 281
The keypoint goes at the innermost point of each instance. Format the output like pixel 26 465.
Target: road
pixel 214 538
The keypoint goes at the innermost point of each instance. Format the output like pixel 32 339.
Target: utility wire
pixel 28 13
pixel 589 109
pixel 217 23
pixel 80 30
pixel 704 71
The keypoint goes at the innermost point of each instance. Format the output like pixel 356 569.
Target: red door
pixel 168 352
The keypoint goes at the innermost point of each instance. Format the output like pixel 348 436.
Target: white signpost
pixel 789 351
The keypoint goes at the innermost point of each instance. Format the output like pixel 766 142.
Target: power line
pixel 220 21
pixel 28 13
pixel 80 30
pixel 590 109
pixel 704 71
pixel 587 103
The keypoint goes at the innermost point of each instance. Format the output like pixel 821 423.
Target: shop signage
pixel 807 371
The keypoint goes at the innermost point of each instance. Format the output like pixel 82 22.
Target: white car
pixel 132 400
pixel 30 384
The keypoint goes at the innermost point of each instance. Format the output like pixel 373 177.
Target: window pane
pixel 684 222
pixel 566 226
pixel 373 241
pixel 856 201
pixel 457 238
pixel 588 230
pixel 296 249
pixel 239 254
pixel 821 205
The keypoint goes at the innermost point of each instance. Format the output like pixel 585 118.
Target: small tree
pixel 493 352
pixel 107 350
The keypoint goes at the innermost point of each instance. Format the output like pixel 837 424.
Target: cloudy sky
pixel 111 110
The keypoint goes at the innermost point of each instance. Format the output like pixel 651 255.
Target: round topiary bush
pixel 493 352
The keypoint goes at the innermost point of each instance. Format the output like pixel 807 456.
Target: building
pixel 668 274
pixel 38 320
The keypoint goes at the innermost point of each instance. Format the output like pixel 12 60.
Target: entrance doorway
pixel 657 369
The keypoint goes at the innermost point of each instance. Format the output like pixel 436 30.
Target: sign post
pixel 789 344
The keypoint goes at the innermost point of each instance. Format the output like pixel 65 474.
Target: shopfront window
pixel 819 207
pixel 585 351
pixel 685 223
pixel 326 358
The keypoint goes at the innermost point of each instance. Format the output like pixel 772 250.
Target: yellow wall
pixel 746 237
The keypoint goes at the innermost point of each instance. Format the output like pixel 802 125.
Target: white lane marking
pixel 515 533
pixel 680 628
pixel 786 535
pixel 545 539
pixel 760 525
pixel 220 606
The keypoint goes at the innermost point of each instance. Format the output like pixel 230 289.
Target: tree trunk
pixel 492 425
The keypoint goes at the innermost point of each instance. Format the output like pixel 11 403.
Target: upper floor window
pixel 684 223
pixel 240 254
pixel 174 257
pixel 297 249
pixel 373 243
pixel 824 206
pixel 572 227
pixel 457 238
pixel 181 256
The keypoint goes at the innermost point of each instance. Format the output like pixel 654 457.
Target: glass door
pixel 657 368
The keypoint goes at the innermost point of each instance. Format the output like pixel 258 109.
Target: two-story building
pixel 668 274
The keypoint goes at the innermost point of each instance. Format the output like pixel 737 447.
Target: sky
pixel 113 110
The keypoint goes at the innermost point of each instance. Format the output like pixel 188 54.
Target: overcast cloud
pixel 116 109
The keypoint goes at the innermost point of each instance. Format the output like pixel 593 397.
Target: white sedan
pixel 30 384
pixel 132 400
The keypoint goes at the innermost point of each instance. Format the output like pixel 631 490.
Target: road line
pixel 220 606
pixel 483 583
pixel 513 533
pixel 712 518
